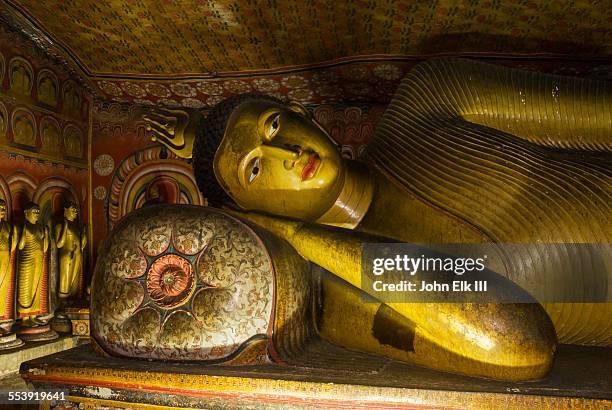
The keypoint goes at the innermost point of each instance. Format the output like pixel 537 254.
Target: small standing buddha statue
pixel 8 244
pixel 70 240
pixel 33 283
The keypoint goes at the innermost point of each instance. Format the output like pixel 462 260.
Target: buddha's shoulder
pixel 446 67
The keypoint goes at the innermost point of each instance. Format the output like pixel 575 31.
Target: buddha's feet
pixel 37 333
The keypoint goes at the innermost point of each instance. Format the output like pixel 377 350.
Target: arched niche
pixel 73 141
pixel 50 136
pixel 5 194
pixel 22 188
pixel 51 195
pixel 71 99
pixel 21 76
pixel 23 125
pixel 138 175
pixel 4 122
pixel 47 87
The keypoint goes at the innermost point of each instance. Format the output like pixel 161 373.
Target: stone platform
pixel 325 376
pixel 10 359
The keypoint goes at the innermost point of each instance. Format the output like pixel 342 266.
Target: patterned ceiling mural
pixel 193 53
pixel 170 37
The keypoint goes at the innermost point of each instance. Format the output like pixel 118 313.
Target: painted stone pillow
pixel 181 282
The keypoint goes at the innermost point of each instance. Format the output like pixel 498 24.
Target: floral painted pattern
pixel 133 89
pixel 163 38
pixel 183 89
pixel 181 283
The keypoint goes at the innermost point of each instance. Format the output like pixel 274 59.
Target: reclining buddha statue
pixel 466 152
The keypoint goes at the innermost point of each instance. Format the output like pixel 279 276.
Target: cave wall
pixel 44 129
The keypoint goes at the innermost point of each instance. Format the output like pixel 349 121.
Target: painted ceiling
pixel 195 52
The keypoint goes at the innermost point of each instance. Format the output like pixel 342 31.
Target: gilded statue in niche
pixel 8 245
pixel 33 277
pixel 50 136
pixel 466 152
pixel 47 88
pixel 73 142
pixel 71 99
pixel 24 128
pixel 21 77
pixel 70 240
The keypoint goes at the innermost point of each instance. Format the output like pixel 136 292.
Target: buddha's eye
pixel 254 170
pixel 273 124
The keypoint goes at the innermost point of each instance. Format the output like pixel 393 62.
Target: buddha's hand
pixel 284 228
pixel 175 129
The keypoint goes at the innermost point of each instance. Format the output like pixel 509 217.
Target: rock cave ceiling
pixel 196 52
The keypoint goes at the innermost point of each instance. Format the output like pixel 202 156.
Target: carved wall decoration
pixel 24 127
pixel 104 164
pixel 47 87
pixel 50 136
pixel 4 120
pixel 31 130
pixel 71 99
pixel 73 141
pixel 21 76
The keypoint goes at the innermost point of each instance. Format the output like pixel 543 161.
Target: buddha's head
pixel 32 213
pixel 268 156
pixel 71 212
pixel 3 210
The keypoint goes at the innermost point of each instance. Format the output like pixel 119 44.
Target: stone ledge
pixel 11 359
pixel 325 376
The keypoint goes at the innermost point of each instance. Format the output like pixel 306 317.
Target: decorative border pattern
pixel 289 392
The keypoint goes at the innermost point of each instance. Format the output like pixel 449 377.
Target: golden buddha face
pixel 71 213
pixel 32 215
pixel 275 158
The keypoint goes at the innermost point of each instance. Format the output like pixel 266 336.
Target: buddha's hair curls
pixel 208 138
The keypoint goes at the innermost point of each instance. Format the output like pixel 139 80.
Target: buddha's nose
pixel 282 152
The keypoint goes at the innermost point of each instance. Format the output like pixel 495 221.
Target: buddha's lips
pixel 311 167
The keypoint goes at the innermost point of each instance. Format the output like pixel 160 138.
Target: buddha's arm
pixel 14 238
pixel 22 238
pixel 60 235
pixel 511 341
pixel 45 239
pixel 83 236
pixel 550 110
